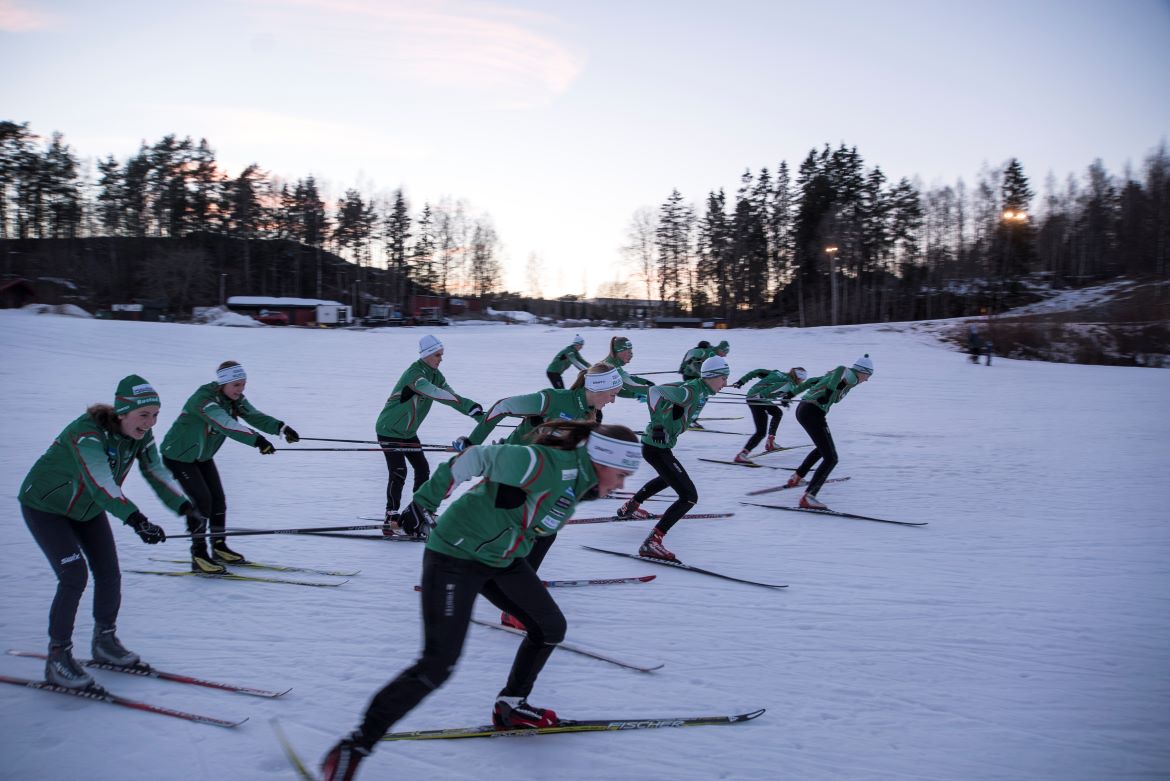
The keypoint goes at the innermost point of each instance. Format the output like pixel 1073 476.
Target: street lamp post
pixel 832 253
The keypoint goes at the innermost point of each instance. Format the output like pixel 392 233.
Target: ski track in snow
pixel 1023 634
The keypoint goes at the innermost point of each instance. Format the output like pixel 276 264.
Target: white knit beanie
pixel 428 345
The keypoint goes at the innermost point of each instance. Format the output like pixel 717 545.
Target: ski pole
pixel 427 449
pixel 362 442
pixel 252 532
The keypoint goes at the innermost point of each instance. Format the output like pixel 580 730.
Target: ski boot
pixel 61 669
pixel 516 713
pixel 632 511
pixel 652 547
pixel 794 480
pixel 771 445
pixel 742 457
pixel 203 563
pixel 507 619
pixel 222 554
pixel 108 648
pixel 341 763
pixel 810 502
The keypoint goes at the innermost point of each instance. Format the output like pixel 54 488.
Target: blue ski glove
pixel 461 444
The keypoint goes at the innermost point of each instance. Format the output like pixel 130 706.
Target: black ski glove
pixel 658 434
pixel 474 410
pixel 415 520
pixel 150 533
pixel 737 384
pixel 290 435
pixel 265 447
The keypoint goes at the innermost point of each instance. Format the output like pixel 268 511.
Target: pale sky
pixel 561 119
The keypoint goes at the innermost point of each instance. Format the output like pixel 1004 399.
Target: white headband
pixel 617 453
pixel 603 381
pixel 230 374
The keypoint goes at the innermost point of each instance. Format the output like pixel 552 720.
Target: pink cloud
pixel 18 18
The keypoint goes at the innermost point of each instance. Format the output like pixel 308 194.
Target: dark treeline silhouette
pixel 841 244
pixel 836 243
pixel 268 236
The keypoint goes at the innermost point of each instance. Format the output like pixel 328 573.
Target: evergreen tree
pixel 396 232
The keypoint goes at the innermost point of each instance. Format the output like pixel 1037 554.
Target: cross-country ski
pixel 578 649
pixel 834 513
pixel 146 671
pixel 275 568
pixel 98 694
pixel 679 565
pixel 575 725
pixel 589 582
pixel 234 576
pixel 775 488
pixel 649 517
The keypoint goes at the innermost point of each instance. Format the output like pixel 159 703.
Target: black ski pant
pixel 68 545
pixel 200 481
pixel 670 473
pixel 555 380
pixel 812 418
pixel 760 414
pixel 449 589
pixel 396 463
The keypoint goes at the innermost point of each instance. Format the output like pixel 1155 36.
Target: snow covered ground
pixel 1023 634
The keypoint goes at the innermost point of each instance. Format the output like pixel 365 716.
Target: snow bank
pixel 68 310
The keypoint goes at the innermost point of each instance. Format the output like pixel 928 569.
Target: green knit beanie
pixel 134 392
pixel 621 344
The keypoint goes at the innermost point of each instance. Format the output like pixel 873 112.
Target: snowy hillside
pixel 1023 634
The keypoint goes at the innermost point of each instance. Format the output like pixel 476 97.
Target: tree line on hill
pixel 837 243
pixel 842 244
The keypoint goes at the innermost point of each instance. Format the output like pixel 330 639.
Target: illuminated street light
pixel 832 253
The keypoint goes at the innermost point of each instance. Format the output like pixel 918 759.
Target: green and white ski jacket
pixel 827 390
pixel 418 388
pixel 208 419
pixel 535 408
pixel 82 472
pixel 566 358
pixel 671 406
pixel 527 491
pixel 773 384
pixel 633 386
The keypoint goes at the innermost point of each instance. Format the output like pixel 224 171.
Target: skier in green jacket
pixel 570 356
pixel 621 352
pixel 721 349
pixel 64 501
pixel 823 393
pixel 773 385
pixel 420 386
pixel 478 547
pixel 209 418
pixel 593 390
pixel 671 406
pixel 692 362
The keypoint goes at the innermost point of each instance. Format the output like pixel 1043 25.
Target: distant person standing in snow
pixel 977 345
pixel 209 418
pixel 693 361
pixel 420 386
pixel 570 356
pixel 773 385
pixel 64 501
pixel 823 393
pixel 478 546
pixel 670 408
